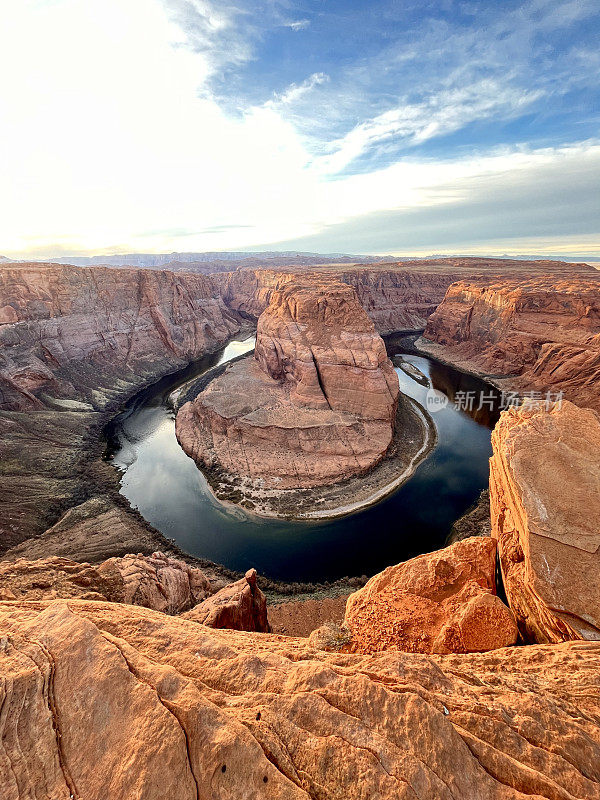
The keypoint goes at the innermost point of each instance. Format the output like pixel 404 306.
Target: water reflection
pixel 172 494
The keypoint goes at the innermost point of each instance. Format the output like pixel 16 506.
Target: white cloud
pixel 297 90
pixel 107 143
pixel 298 25
pixel 442 113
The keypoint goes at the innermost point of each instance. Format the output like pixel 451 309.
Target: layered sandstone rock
pixel 318 340
pixel 73 343
pixel 52 577
pixel 398 295
pixel 156 581
pixel 544 332
pixel 316 405
pixel 545 509
pixel 442 602
pixel 91 531
pixel 69 333
pixel 241 606
pixel 103 701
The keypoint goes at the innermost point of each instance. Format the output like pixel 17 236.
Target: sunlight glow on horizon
pixel 113 140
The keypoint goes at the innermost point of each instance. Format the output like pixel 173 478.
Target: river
pixel 172 494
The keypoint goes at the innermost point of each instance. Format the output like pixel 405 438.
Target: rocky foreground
pixel 114 700
pixel 106 701
pixel 316 405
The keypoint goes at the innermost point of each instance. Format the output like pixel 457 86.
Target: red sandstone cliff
pixel 397 296
pixel 74 342
pixel 317 339
pixel 544 333
pixel 84 333
pixel 316 406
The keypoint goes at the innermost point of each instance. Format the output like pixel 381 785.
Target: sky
pixel 386 126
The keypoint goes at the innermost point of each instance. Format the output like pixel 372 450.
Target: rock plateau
pixel 316 405
pixel 540 334
pixel 113 701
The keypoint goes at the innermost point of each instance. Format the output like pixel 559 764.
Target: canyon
pixel 75 342
pixel 130 650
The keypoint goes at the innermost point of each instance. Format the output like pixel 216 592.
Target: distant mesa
pixel 315 405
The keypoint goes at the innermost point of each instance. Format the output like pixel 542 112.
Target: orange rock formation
pixel 156 581
pixel 442 602
pixel 316 406
pixel 540 334
pixel 545 509
pixel 241 606
pixel 105 701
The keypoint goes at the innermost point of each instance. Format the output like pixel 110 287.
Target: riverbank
pixel 413 439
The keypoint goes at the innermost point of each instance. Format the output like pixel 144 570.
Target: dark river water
pixel 172 494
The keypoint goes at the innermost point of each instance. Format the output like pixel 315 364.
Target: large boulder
pixel 112 701
pixel 157 581
pixel 442 602
pixel 545 509
pixel 241 606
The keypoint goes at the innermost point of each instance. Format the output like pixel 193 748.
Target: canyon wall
pixel 398 295
pixel 395 299
pixel 539 334
pixel 69 333
pixel 317 339
pixel 74 342
pixel 106 701
pixel 545 511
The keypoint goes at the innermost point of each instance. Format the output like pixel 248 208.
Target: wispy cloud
pixel 437 115
pixel 297 25
pixel 295 91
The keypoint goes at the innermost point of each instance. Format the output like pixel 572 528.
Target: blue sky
pixel 416 79
pixel 392 127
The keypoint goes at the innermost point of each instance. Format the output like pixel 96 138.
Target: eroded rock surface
pixel 241 606
pixel 545 510
pixel 543 332
pixel 399 295
pixel 316 405
pixel 73 343
pixel 156 581
pixel 441 602
pixel 104 701
pixel 69 334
